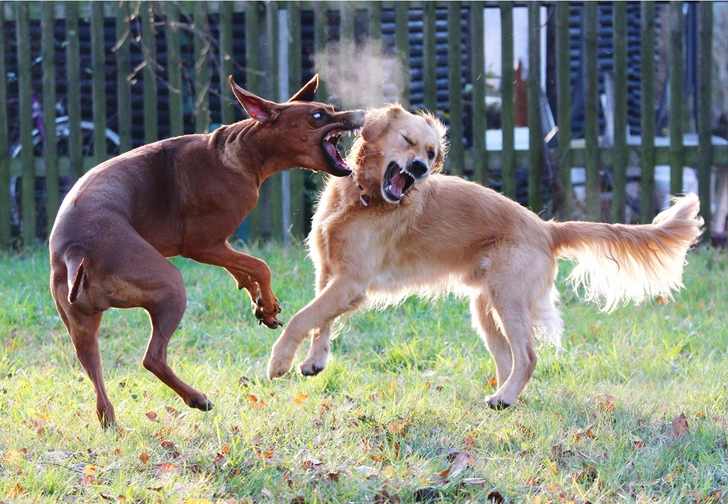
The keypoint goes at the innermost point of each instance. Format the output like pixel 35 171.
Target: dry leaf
pixel 166 468
pixel 493 382
pixel 300 398
pixel 219 461
pixel 144 457
pixel 680 427
pixel 151 415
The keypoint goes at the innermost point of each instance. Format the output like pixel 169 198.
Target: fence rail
pixel 168 64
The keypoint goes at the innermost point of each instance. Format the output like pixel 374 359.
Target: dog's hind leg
pixel 516 323
pixel 339 297
pixel 84 331
pixel 166 305
pixel 495 341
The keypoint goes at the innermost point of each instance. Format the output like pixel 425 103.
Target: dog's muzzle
pixel 399 180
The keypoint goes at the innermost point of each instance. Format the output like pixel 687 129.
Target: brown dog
pixel 396 230
pixel 182 196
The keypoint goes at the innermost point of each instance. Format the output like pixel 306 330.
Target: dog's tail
pixel 620 263
pixel 76 282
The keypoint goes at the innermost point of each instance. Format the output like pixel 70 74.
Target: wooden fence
pixel 272 65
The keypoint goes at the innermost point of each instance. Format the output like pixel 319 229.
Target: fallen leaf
pixel 225 449
pixel 151 415
pixel 493 382
pixel 13 492
pixel 144 457
pixel 300 398
pixel 14 456
pixel 469 441
pixel 219 461
pixel 166 468
pixel 586 432
pixel 312 464
pixel 679 428
pixel 607 403
pixel 171 411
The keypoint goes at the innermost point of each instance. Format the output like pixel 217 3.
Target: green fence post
pixel 480 154
pixel 4 156
pixel 50 150
pixel 705 111
pixel 98 67
pixel 591 110
pixel 202 68
pixel 123 68
pixel 73 70
pixel 508 154
pixel 27 157
pixel 456 88
pixel 429 58
pixel 401 13
pixel 174 68
pixel 647 159
pixel 619 168
pixel 535 136
pixel 563 90
pixel 676 65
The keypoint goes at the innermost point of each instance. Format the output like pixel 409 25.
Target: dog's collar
pixel 363 197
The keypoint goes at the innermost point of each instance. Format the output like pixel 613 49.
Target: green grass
pixel 403 394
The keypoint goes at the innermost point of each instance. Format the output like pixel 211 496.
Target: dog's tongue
pixel 397 186
pixel 333 152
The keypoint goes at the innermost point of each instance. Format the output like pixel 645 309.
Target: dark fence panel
pixel 115 75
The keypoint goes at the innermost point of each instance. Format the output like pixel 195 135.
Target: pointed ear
pixel 256 107
pixel 307 92
pixel 377 121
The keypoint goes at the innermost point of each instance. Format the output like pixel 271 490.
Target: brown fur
pixel 449 235
pixel 180 196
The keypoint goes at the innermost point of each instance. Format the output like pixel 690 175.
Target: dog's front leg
pixel 251 274
pixel 339 297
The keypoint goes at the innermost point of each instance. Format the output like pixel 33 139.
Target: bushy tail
pixel 621 263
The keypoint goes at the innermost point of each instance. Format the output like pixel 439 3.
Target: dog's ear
pixel 307 92
pixel 256 107
pixel 378 120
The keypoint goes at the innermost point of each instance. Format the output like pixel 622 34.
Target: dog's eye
pixel 409 142
pixel 318 116
pixel 431 155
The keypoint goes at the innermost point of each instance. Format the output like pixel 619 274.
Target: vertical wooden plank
pixel 123 68
pixel 647 159
pixel 401 13
pixel 149 78
pixel 535 136
pixel 294 84
pixel 430 56
pixel 252 58
pixel 508 155
pixel 591 109
pixel 174 66
pixel 25 86
pixel 98 80
pixel 73 70
pixel 226 62
pixel 480 154
pixel 375 36
pixel 677 96
pixel 563 75
pixel 202 69
pixel 4 156
pixel 705 94
pixel 252 84
pixel 321 36
pixel 619 168
pixel 268 211
pixel 50 148
pixel 456 88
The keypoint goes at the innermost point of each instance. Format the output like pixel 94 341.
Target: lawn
pixel 634 408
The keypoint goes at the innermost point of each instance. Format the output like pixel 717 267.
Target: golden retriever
pixel 396 228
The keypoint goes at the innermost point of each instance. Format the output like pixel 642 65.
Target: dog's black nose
pixel 418 168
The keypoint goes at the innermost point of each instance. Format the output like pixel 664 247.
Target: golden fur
pixel 448 235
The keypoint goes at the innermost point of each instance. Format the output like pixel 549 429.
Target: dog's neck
pixel 249 147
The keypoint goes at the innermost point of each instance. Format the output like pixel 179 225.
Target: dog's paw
pixel 267 317
pixel 496 402
pixel 202 404
pixel 311 368
pixel 277 368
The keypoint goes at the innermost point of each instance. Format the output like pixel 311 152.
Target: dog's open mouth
pixel 330 144
pixel 397 182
